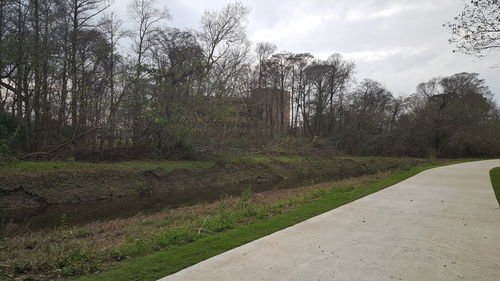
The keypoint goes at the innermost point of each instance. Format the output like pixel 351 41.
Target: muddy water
pixel 71 214
pixel 81 213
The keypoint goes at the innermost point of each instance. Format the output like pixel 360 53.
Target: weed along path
pixel 442 224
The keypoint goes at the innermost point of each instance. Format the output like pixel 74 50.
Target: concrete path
pixel 442 224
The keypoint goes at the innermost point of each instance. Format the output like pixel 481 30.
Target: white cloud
pixel 304 24
pixel 367 12
pixel 378 55
pixel 386 13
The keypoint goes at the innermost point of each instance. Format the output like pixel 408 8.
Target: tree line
pixel 67 88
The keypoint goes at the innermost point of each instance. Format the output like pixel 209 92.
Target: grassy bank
pixel 219 233
pixel 23 167
pixel 42 184
pixel 19 167
pixel 495 181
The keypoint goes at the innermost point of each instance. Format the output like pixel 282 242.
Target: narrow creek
pixel 185 188
pixel 72 214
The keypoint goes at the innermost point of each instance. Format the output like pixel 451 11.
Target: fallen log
pixel 50 152
pixel 32 154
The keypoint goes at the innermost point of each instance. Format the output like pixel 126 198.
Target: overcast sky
pixel 397 42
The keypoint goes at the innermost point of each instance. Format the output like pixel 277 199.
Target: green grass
pixel 175 258
pixel 495 181
pixel 41 167
pixel 49 166
pixel 368 157
pixel 259 158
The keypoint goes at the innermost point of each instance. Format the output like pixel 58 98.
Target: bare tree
pixel 298 96
pixel 476 30
pixel 221 29
pixel 111 27
pixel 264 50
pixel 147 19
pixel 226 50
pixel 81 12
